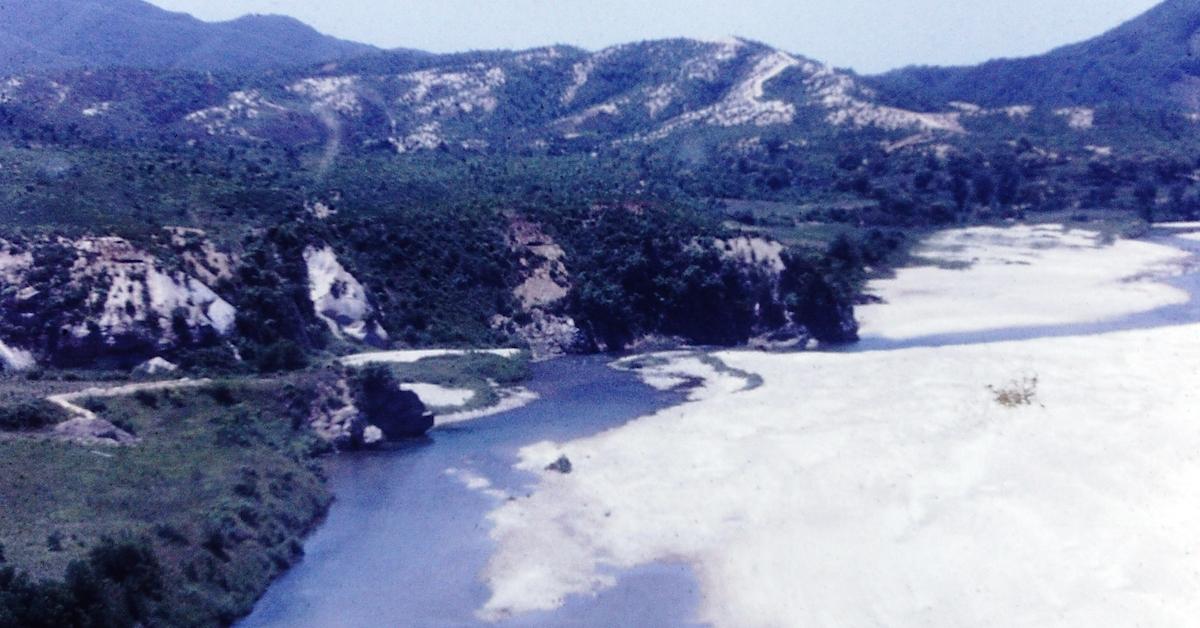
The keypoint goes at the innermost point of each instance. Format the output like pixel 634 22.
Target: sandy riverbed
pixel 890 487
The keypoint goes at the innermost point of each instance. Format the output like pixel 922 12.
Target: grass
pixel 221 483
pixel 473 371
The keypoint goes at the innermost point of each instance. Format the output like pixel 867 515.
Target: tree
pixel 985 187
pixel 960 191
pixel 1145 193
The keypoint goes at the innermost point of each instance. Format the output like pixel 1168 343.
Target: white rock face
pixel 545 282
pixel 427 136
pixel 10 87
pixel 334 93
pixel 203 258
pixel 98 109
pixel 15 359
pixel 138 291
pixel 707 65
pixel 754 252
pixel 745 103
pixel 155 366
pixel 242 106
pixel 1078 118
pixel 335 418
pixel 128 293
pixel 851 104
pixel 442 92
pixel 12 264
pixel 339 299
pixel 659 98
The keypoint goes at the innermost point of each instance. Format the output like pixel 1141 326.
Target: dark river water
pixel 404 543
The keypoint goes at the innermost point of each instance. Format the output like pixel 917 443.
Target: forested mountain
pixel 1150 61
pixel 251 201
pixel 555 197
pixel 40 34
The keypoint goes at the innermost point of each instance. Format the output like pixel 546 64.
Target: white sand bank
pixel 915 499
pixel 890 488
pixel 1018 277
pixel 1177 225
pixel 510 399
pixel 416 355
pixel 438 396
pixel 670 370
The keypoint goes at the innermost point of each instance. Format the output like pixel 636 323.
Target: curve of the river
pixel 406 540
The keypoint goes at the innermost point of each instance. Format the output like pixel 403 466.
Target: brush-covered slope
pixel 1152 60
pixel 132 33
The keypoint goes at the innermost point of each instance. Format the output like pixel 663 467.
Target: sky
pixel 866 35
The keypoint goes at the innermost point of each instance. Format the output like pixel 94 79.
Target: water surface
pixel 404 543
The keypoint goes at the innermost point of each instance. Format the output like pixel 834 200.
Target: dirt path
pixel 66 401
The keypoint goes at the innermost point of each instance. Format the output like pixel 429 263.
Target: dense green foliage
pixel 1146 62
pixel 399 413
pixel 29 415
pixel 203 512
pixel 116 586
pixel 139 34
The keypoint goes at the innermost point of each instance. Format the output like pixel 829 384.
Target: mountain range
pixel 1152 60
pixel 42 34
pixel 124 68
pixel 190 141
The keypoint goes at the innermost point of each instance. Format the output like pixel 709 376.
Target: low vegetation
pixel 1019 392
pixel 184 529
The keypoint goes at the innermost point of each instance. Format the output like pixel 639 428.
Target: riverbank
pixel 206 505
pixel 1047 481
pixel 407 537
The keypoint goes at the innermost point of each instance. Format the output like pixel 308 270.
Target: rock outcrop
pixel 154 367
pixel 335 418
pixel 397 413
pixel 340 300
pixel 545 284
pixel 76 301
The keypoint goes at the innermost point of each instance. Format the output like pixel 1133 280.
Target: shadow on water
pixel 1168 316
pixel 405 542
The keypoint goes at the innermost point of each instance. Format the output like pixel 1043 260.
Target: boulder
pixel 562 465
pixel 155 366
pixel 397 413
pixel 93 431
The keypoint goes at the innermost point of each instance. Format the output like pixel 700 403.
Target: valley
pixel 300 331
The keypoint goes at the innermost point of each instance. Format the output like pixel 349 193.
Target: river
pixel 406 540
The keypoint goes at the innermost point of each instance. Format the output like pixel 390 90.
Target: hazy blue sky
pixel 867 35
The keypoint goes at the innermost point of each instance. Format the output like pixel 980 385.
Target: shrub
pixel 221 393
pixel 146 398
pixel 284 355
pixel 30 415
pixel 399 413
pixel 1022 392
